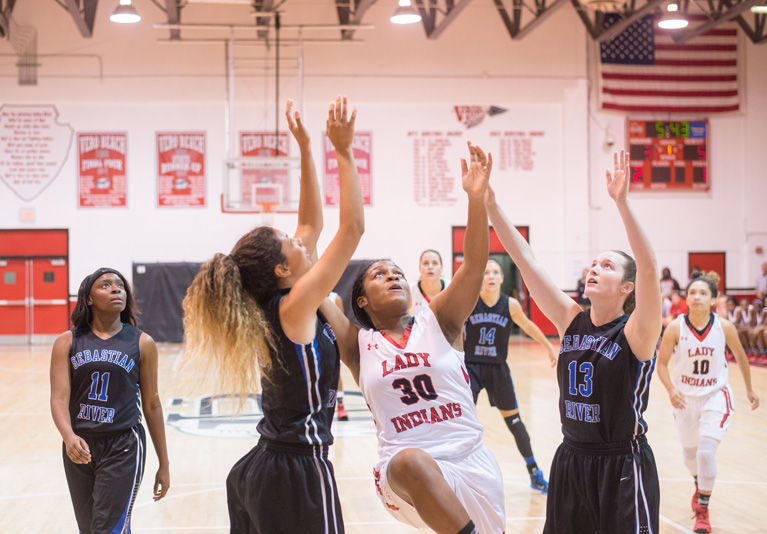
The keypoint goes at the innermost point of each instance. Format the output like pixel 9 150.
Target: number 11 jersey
pixel 418 391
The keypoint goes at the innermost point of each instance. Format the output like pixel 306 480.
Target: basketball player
pixel 699 393
pixel 254 313
pixel 433 468
pixel 486 344
pixel 102 372
pixel 603 477
pixel 430 282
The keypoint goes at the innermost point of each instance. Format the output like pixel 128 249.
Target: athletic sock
pixel 340 397
pixel 703 499
pixel 518 430
pixel 469 529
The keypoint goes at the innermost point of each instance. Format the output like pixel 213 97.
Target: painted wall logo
pixel 33 148
pixel 470 116
pixel 215 416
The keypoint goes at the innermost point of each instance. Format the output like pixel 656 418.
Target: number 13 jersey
pixel 418 391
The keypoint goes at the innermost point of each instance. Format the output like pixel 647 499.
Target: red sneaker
pixel 702 524
pixel 343 415
pixel 694 502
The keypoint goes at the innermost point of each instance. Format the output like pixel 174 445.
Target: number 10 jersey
pixel 418 391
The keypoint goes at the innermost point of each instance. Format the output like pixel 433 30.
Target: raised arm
pixel 76 447
pixel 152 405
pixel 531 329
pixel 644 324
pixel 667 344
pixel 310 199
pixel 298 308
pixel 553 302
pixel 453 305
pixel 346 337
pixel 733 341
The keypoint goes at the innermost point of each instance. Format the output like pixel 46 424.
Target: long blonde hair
pixel 227 335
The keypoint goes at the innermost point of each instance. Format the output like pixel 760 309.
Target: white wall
pixel 149 86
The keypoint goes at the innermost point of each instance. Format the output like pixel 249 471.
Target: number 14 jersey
pixel 418 391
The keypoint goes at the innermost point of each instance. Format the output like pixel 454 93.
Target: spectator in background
pixel 677 308
pixel 761 283
pixel 742 321
pixel 668 283
pixel 756 332
pixel 583 302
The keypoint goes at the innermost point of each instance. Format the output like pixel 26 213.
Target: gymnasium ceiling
pixel 519 16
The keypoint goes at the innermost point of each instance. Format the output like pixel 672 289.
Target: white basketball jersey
pixel 700 364
pixel 419 301
pixel 418 391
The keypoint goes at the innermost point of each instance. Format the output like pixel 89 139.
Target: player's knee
pixel 410 465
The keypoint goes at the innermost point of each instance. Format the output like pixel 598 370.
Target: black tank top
pixel 487 332
pixel 299 396
pixel 603 388
pixel 104 376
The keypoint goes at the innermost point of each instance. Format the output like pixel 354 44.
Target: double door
pixel 33 299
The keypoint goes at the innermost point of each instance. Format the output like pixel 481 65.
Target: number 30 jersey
pixel 418 391
pixel 603 388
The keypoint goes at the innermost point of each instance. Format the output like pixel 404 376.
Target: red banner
pixel 103 180
pixel 181 169
pixel 362 146
pixel 263 145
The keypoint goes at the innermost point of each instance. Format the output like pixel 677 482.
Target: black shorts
pixel 603 491
pixel 280 488
pixel 103 491
pixel 496 379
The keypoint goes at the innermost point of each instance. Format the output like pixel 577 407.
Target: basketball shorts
pixel 604 489
pixel 476 481
pixel 280 488
pixel 496 379
pixel 103 491
pixel 708 416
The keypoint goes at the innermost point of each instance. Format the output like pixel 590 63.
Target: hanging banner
pixel 33 148
pixel 362 146
pixel 102 178
pixel 181 169
pixel 263 145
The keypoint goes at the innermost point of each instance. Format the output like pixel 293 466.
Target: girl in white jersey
pixel 698 391
pixel 433 468
pixel 430 282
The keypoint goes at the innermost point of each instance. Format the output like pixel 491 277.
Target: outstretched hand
pixel 340 127
pixel 618 182
pixel 476 174
pixel 296 125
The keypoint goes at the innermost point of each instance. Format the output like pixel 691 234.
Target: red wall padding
pixel 26 243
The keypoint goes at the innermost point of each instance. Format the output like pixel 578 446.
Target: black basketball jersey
pixel 299 395
pixel 603 388
pixel 487 332
pixel 104 377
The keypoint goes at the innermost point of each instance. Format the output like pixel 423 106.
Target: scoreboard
pixel 668 155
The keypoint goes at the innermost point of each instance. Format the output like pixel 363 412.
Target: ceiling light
pixel 604 6
pixel 125 13
pixel 672 19
pixel 759 9
pixel 405 13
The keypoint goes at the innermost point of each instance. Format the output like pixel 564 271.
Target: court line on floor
pixel 675 524
pixel 173 496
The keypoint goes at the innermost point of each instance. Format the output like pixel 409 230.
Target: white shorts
pixel 476 480
pixel 708 416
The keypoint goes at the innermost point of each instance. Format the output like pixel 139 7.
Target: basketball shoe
pixel 537 482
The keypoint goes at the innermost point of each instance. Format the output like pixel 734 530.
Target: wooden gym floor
pixel 204 443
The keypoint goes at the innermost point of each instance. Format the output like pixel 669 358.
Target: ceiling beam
pixel 733 12
pixel 351 17
pixel 263 6
pixel 618 28
pixel 430 12
pixel 6 9
pixel 757 34
pixel 593 27
pixel 84 15
pixel 173 12
pixel 513 22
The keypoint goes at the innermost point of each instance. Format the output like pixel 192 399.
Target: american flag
pixel 644 70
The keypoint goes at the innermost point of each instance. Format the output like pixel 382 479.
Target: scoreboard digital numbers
pixel 668 155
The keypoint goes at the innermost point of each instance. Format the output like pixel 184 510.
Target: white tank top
pixel 418 391
pixel 418 300
pixel 700 365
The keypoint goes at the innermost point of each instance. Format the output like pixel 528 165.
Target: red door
pixel 709 261
pixel 14 326
pixel 48 303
